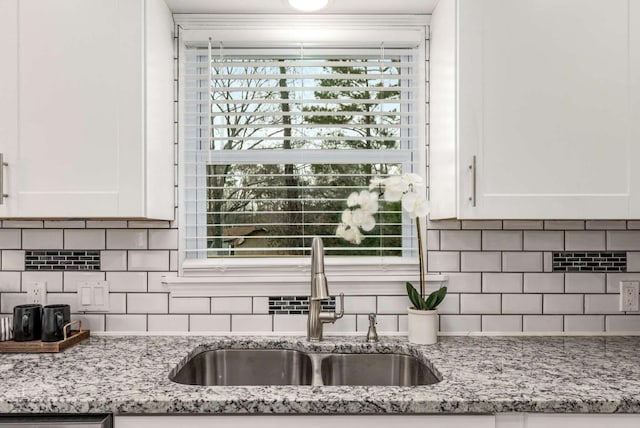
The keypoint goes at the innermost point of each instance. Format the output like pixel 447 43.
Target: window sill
pixel 260 277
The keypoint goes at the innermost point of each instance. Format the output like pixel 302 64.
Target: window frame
pixel 248 275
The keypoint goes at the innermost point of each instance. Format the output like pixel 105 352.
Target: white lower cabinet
pixel 312 421
pixel 554 420
pixel 503 420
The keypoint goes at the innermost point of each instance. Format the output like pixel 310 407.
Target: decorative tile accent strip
pixel 574 261
pixel 296 305
pixel 62 260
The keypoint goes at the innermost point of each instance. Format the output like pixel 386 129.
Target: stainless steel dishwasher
pixel 52 421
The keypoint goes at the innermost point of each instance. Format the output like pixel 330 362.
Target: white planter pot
pixel 423 326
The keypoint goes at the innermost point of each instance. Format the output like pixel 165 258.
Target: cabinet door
pixel 8 101
pixel 544 106
pixel 581 421
pixel 634 74
pixel 311 421
pixel 81 109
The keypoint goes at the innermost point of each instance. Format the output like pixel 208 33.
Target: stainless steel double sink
pixel 226 367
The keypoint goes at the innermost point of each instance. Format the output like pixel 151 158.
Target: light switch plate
pixel 93 296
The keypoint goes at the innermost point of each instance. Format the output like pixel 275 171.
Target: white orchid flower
pixel 394 188
pixel 415 205
pixel 354 236
pixel 350 234
pixel 368 201
pixel 347 217
pixel 377 182
pixel 412 179
pixel 407 188
pixel 352 200
pixel 368 222
pixel 392 195
pixel 357 217
pixel 360 219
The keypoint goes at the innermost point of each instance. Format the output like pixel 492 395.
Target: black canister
pixel 54 318
pixel 27 322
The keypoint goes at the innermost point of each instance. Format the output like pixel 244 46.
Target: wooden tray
pixel 38 346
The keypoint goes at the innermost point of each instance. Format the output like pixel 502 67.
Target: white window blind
pixel 274 139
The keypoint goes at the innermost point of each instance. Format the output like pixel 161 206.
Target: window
pixel 275 135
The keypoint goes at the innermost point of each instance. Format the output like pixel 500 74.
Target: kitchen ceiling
pixel 282 6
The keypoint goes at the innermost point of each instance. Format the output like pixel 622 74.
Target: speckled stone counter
pixel 129 375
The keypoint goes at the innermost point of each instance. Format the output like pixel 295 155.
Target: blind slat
pixel 298 89
pixel 303 114
pixel 298 77
pixel 372 63
pixel 305 126
pixel 293 138
pixel 338 157
pixel 305 101
pixel 266 250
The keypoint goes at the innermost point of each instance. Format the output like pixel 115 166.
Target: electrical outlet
pixel 629 295
pixel 37 293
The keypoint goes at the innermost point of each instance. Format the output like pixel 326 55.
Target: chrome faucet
pixel 319 292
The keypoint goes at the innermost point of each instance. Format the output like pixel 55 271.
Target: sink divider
pixel 316 366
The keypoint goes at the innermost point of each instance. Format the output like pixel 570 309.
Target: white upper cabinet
pixel 86 116
pixel 634 102
pixel 535 109
pixel 8 98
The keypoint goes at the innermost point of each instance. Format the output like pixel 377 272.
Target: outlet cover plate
pixel 629 296
pixel 37 293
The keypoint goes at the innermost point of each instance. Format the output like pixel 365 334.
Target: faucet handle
pixel 372 319
pixel 341 313
pixel 372 334
pixel 335 315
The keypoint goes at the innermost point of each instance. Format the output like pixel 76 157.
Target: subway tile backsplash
pixel 499 280
pixel 536 276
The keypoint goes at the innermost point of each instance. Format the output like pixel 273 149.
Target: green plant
pixel 429 303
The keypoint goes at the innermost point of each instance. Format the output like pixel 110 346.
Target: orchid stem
pixel 421 257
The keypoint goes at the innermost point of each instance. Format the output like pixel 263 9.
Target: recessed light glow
pixel 308 5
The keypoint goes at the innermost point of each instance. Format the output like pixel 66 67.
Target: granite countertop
pixel 129 375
